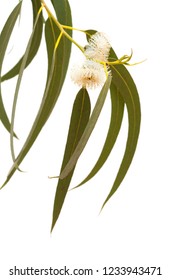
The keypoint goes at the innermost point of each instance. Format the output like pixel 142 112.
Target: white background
pixel 133 229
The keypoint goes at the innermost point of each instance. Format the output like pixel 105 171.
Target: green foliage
pixel 4 39
pixel 78 122
pixel 36 40
pixel 88 130
pixel 57 31
pixel 122 79
pixel 117 109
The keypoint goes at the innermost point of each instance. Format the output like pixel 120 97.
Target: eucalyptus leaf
pixel 79 119
pixel 125 85
pixel 21 71
pixel 4 40
pixel 117 109
pixel 124 82
pixel 36 40
pixel 88 130
pixel 63 12
pixel 57 68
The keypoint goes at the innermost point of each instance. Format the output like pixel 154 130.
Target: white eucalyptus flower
pixel 88 75
pixel 98 48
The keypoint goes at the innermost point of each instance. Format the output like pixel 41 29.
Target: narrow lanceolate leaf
pixel 117 109
pixel 88 130
pixel 36 40
pixel 63 12
pixel 57 69
pixel 124 82
pixel 78 122
pixel 4 39
pixel 21 71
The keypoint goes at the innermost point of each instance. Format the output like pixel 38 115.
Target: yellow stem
pixel 123 60
pixel 58 41
pixel 72 28
pixel 60 26
pixel 105 69
pixel 76 29
pixel 40 10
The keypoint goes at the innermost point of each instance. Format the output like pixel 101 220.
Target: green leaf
pixel 63 12
pixel 36 40
pixel 21 71
pixel 57 69
pixel 88 130
pixel 117 109
pixel 4 39
pixel 78 122
pixel 125 84
pixel 127 88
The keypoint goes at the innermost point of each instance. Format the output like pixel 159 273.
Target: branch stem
pixel 60 26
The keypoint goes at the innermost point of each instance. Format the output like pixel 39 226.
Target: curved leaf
pixel 127 88
pixel 21 71
pixel 78 122
pixel 4 39
pixel 36 40
pixel 63 12
pixel 117 109
pixel 88 130
pixel 124 82
pixel 57 69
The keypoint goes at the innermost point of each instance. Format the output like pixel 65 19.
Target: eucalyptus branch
pixel 98 70
pixel 60 26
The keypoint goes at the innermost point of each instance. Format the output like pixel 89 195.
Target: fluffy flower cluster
pixel 98 48
pixel 92 73
pixel 89 75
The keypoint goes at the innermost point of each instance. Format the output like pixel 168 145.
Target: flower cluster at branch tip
pixel 98 48
pixel 89 75
pixel 93 72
